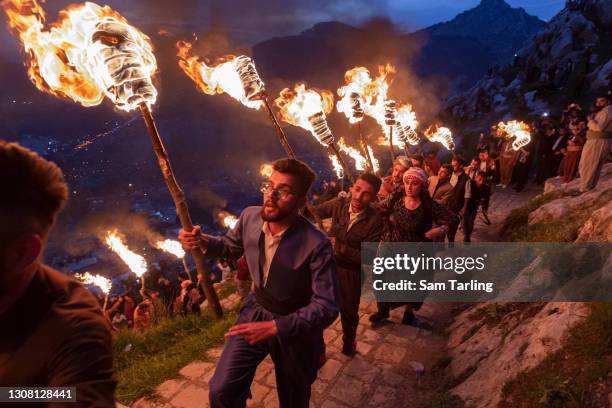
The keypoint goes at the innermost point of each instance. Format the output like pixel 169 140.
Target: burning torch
pixel 174 247
pixel 391 121
pixel 135 262
pixel 100 281
pixel 517 130
pixel 236 76
pixel 306 108
pixel 227 219
pixel 351 103
pixel 90 53
pixel 442 135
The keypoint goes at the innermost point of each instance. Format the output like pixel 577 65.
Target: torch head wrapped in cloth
pixel 122 63
pixel 390 113
pixel 254 88
pixel 412 137
pixel 356 106
pixel 321 129
pixel 442 135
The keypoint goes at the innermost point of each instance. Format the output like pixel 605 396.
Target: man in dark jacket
pixel 460 193
pixel 295 293
pixel 480 195
pixel 53 331
pixel 353 221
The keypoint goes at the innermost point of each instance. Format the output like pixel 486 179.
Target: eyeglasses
pixel 280 193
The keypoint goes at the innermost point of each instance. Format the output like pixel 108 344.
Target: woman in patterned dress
pixel 412 217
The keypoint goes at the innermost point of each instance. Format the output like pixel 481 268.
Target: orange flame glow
pixel 100 281
pixel 300 105
pixel 135 262
pixel 266 170
pixel 89 53
pixel 172 247
pixel 517 130
pixel 360 161
pixel 223 76
pixel 337 166
pixel 441 135
pixel 227 219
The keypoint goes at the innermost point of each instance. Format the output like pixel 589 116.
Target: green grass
pixel 574 376
pixel 143 361
pixel 517 229
pixel 433 390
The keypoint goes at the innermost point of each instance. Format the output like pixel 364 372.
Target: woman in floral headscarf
pixel 411 219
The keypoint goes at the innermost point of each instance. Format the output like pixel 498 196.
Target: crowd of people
pixel 575 145
pixel 163 296
pixel 295 277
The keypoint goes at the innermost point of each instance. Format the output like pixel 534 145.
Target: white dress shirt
pixel 271 243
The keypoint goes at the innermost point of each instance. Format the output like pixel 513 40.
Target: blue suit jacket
pixel 302 276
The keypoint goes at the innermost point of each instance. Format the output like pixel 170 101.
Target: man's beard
pixel 280 214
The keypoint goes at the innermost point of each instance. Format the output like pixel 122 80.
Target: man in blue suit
pixel 295 298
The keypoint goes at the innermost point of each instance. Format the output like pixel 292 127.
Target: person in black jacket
pixel 353 221
pixel 460 193
pixel 480 194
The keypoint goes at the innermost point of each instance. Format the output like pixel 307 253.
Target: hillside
pixel 493 23
pixel 570 59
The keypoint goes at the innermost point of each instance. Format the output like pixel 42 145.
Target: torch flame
pixel 441 135
pixel 172 247
pixel 227 219
pixel 337 166
pixel 362 95
pixel 100 281
pixel 360 161
pixel 517 130
pixel 351 95
pixel 266 170
pixel 375 92
pixel 89 53
pixel 135 262
pixel 306 108
pixel 224 76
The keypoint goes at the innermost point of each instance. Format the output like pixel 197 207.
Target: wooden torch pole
pixel 364 148
pixel 178 196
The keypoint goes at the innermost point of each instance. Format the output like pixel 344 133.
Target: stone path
pixel 503 201
pixel 380 375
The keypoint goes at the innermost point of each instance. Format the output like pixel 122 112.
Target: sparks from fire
pixel 135 262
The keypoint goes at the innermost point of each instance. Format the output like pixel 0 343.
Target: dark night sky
pixel 250 21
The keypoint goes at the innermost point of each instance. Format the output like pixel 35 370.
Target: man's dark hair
pixel 476 158
pixel 300 170
pixel 485 150
pixel 33 189
pixel 606 96
pixel 481 174
pixel 459 159
pixel 417 157
pixel 448 168
pixel 372 180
